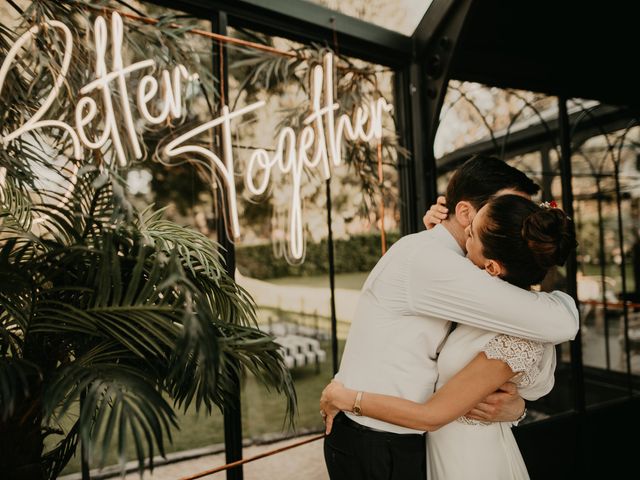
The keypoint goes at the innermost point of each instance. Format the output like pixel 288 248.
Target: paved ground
pixel 304 462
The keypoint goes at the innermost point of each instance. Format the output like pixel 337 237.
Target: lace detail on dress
pixel 522 356
pixel 471 421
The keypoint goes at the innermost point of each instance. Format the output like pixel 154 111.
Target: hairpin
pixel 551 204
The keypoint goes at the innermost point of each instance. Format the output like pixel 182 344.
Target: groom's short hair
pixel 481 177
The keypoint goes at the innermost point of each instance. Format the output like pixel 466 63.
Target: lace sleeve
pixel 522 356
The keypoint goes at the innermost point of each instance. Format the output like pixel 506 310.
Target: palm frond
pixel 193 368
pixel 15 295
pixel 198 253
pixel 14 383
pixel 105 302
pixel 116 401
pixel 15 207
pixel 56 459
pixel 258 353
pixel 201 259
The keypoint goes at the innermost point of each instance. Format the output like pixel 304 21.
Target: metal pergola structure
pixel 567 49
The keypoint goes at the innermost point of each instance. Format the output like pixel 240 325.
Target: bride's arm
pixel 458 396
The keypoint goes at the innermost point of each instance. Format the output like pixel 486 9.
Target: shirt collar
pixel 444 236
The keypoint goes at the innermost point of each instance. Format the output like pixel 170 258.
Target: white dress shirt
pixel 422 284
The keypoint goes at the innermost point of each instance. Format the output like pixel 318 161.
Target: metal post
pixel 84 448
pixel 623 274
pixel 603 271
pixel 572 284
pixel 435 41
pixel 332 282
pixel 409 220
pixel 547 174
pixel 422 170
pixel 233 408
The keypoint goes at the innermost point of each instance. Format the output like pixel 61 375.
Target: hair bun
pixel 550 235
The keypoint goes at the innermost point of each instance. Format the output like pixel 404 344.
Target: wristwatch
pixel 357 410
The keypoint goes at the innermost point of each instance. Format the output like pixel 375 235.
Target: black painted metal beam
pixel 403 106
pixel 577 373
pixel 233 407
pixel 308 23
pixel 435 41
pixel 603 119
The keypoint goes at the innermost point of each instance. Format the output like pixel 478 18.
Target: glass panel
pixel 403 16
pixel 187 199
pixel 293 296
pixel 516 126
pixel 605 169
pixel 473 113
pixel 292 300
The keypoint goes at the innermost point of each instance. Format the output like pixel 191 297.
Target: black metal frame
pixel 306 22
pixel 423 66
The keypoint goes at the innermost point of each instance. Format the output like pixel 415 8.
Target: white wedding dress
pixel 469 450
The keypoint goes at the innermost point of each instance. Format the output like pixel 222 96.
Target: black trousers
pixel 355 452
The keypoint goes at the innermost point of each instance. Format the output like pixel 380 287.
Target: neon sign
pixel 318 145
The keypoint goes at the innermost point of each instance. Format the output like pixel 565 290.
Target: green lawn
pixel 354 281
pixel 349 281
pixel 263 412
pixel 613 271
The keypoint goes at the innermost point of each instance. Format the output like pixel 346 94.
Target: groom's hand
pixel 504 405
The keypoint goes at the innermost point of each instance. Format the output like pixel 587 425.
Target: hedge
pixel 359 253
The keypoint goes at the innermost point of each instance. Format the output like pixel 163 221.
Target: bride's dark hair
pixel 525 238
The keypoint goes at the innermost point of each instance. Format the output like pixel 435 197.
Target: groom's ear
pixel 464 213
pixel 494 268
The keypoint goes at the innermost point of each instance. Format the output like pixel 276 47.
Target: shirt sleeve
pixel 448 286
pixel 545 380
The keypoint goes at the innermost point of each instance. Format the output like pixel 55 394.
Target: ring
pixel 324 415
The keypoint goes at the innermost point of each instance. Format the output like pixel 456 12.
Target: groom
pixel 414 295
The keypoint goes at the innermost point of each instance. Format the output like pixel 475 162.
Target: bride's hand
pixel 436 214
pixel 334 398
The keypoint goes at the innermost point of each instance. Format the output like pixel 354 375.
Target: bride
pixel 518 241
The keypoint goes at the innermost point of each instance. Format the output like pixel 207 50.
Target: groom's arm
pixel 503 405
pixel 507 403
pixel 452 288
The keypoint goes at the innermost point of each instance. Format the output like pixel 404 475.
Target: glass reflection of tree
pixel 259 75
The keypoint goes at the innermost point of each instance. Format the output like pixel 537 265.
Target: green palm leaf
pixel 15 207
pixel 14 384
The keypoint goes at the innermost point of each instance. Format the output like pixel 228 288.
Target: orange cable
pixel 251 459
pixel 383 237
pixel 197 31
pixel 610 304
pixel 222 75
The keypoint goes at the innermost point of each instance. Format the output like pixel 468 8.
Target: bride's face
pixel 474 245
